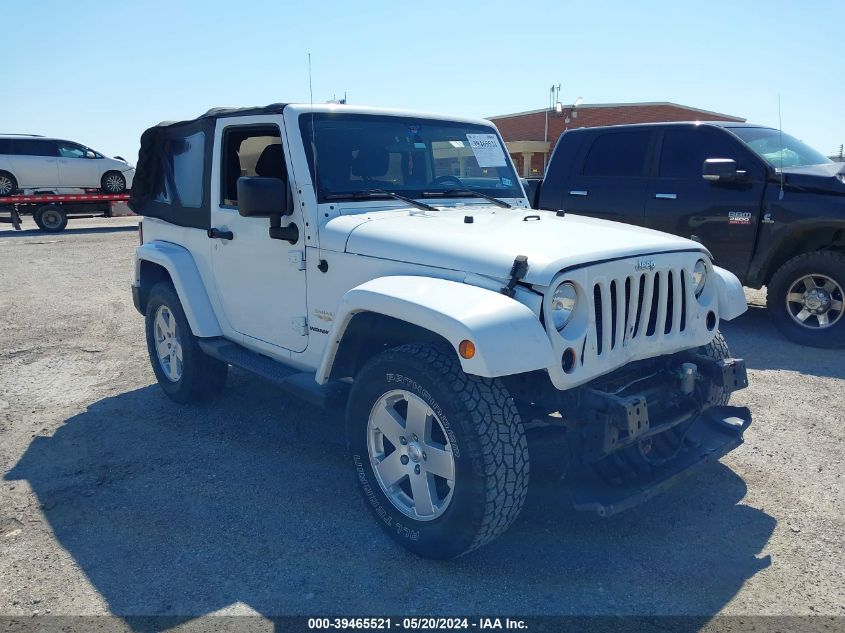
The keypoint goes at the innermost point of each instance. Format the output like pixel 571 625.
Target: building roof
pixel 586 106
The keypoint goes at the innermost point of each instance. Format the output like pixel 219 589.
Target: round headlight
pixel 699 276
pixel 564 300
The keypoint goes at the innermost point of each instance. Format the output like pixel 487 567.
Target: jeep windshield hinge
pixel 518 271
pixel 297 259
pixel 299 325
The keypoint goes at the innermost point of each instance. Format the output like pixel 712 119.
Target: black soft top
pixel 172 177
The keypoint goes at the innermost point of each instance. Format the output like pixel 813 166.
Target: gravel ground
pixel 114 500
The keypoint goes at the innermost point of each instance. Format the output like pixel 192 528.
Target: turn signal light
pixel 466 349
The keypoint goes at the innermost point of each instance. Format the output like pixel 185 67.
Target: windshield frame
pixel 514 191
pixel 788 138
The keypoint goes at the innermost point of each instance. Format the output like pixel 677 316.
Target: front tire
pixel 113 182
pixel 183 370
pixel 806 299
pixel 440 456
pixel 717 349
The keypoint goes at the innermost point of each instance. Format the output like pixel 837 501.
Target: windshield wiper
pixel 378 193
pixel 463 193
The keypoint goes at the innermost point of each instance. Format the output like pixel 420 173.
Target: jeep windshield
pixel 779 149
pixel 411 157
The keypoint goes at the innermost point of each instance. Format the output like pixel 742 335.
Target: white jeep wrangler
pixel 388 262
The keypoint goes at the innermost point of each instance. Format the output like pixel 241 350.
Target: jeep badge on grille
pixel 645 264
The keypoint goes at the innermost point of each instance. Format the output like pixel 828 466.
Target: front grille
pixel 646 305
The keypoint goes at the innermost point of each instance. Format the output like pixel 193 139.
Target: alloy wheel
pixel 167 343
pixel 815 301
pixel 411 455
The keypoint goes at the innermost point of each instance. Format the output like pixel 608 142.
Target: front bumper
pixel 712 435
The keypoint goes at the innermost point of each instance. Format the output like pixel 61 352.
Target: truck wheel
pixel 440 456
pixel 183 370
pixel 806 299
pixel 717 349
pixel 8 184
pixel 51 218
pixel 113 182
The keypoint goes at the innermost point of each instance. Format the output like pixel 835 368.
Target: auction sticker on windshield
pixel 488 152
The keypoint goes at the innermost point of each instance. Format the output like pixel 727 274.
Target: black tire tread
pixel 504 449
pixel 717 349
pixel 783 276
pixel 209 375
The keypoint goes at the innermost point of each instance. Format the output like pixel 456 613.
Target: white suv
pixel 387 262
pixel 34 162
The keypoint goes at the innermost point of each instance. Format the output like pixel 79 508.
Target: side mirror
pixel 260 196
pixel 90 154
pixel 269 197
pixel 722 170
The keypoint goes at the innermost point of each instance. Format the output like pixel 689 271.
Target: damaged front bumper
pixel 711 435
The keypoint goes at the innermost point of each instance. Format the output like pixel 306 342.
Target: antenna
pixel 780 144
pixel 313 143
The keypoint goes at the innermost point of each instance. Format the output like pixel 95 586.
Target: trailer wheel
pixel 113 182
pixel 51 218
pixel 8 184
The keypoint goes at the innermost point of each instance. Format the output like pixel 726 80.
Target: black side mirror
pixel 269 197
pixel 259 196
pixel 722 170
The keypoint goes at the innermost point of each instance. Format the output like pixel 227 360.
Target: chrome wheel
pixel 411 455
pixel 115 183
pixel 815 301
pixel 6 185
pixel 167 343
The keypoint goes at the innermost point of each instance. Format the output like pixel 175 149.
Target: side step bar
pixel 299 384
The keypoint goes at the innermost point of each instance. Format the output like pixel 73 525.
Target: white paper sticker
pixel 487 149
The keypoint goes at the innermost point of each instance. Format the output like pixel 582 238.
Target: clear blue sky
pixel 101 72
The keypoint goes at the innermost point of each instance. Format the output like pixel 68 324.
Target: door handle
pixel 666 196
pixel 217 234
pixel 578 192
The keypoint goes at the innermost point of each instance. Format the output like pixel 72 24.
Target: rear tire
pixel 8 184
pixel 113 182
pixel 51 218
pixel 473 433
pixel 803 287
pixel 183 370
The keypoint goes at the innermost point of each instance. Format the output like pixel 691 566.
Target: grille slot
pixel 649 304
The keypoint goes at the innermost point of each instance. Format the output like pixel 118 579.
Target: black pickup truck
pixel 768 207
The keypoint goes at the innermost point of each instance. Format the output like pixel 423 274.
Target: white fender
pixel 179 262
pixel 731 295
pixel 507 335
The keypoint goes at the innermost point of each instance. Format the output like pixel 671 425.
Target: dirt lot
pixel 114 500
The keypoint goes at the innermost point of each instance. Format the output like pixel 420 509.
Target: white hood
pixel 489 244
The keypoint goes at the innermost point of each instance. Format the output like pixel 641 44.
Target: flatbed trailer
pixel 52 210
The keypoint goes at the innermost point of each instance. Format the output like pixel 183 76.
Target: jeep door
pixel 609 181
pixel 723 216
pixel 260 282
pixel 75 170
pixel 34 162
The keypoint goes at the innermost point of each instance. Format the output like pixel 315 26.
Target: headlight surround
pixel 699 276
pixel 564 300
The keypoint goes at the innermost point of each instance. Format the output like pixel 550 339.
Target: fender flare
pixel 183 271
pixel 731 295
pixel 508 336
